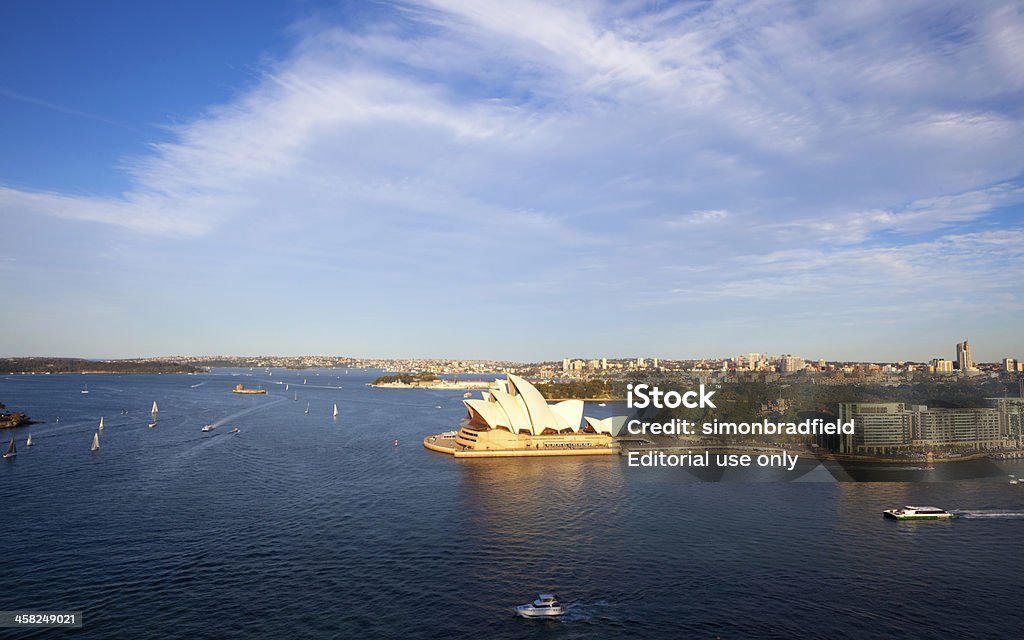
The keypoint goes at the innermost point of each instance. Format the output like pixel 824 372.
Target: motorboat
pixel 208 427
pixel 236 430
pixel 918 513
pixel 545 606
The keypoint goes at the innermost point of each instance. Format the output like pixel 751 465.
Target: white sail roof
pixel 514 408
pixel 570 411
pixel 522 407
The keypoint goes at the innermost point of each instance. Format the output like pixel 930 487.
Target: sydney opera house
pixel 513 419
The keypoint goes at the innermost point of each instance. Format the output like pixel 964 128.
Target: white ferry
pixel 545 606
pixel 918 513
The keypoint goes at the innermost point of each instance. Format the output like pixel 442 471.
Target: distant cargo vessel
pixel 241 389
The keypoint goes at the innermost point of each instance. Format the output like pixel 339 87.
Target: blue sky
pixel 512 180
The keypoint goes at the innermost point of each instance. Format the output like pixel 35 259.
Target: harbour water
pixel 301 525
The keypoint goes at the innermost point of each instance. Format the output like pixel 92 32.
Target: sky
pixel 512 180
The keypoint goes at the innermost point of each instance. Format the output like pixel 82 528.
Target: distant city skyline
pixel 512 181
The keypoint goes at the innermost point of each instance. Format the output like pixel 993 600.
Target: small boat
pixel 396 443
pixel 438 406
pixel 545 606
pixel 335 411
pixel 152 424
pixel 101 423
pixel 918 513
pixel 28 443
pixel 285 387
pixel 601 404
pixel 296 398
pixel 154 409
pixel 236 430
pixel 208 427
pixel 86 389
pixel 11 449
pixel 467 395
pixel 95 442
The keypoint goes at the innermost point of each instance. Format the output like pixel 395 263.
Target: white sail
pixel 11 449
pixel 95 441
pixel 154 410
pixel 28 443
pixel 101 423
pixel 335 411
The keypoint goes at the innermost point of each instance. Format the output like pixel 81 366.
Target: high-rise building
pixel 942 366
pixel 1009 364
pixel 963 356
pixel 566 364
pixel 791 364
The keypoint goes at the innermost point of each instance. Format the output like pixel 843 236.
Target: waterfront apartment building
pixel 878 427
pixel 889 427
pixel 972 428
pixel 1011 418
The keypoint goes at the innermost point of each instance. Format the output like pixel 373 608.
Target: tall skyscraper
pixel 963 355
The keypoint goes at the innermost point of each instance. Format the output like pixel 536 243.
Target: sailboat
pixel 101 423
pixel 307 407
pixel 11 449
pixel 86 389
pixel 286 386
pixel 296 395
pixel 95 442
pixel 154 409
pixel 335 411
pixel 28 443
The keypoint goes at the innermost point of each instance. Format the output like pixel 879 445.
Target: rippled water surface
pixel 302 526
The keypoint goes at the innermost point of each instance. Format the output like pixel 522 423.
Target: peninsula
pixel 12 420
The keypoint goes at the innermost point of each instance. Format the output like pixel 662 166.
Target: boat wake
pixel 987 513
pixel 198 385
pixel 238 414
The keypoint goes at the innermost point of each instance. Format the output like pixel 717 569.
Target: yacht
pixel 545 606
pixel 918 513
pixel 236 430
pixel 208 427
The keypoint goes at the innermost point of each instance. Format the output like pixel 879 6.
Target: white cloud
pixel 811 147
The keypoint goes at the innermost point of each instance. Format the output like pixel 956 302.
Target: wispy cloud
pixel 799 149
